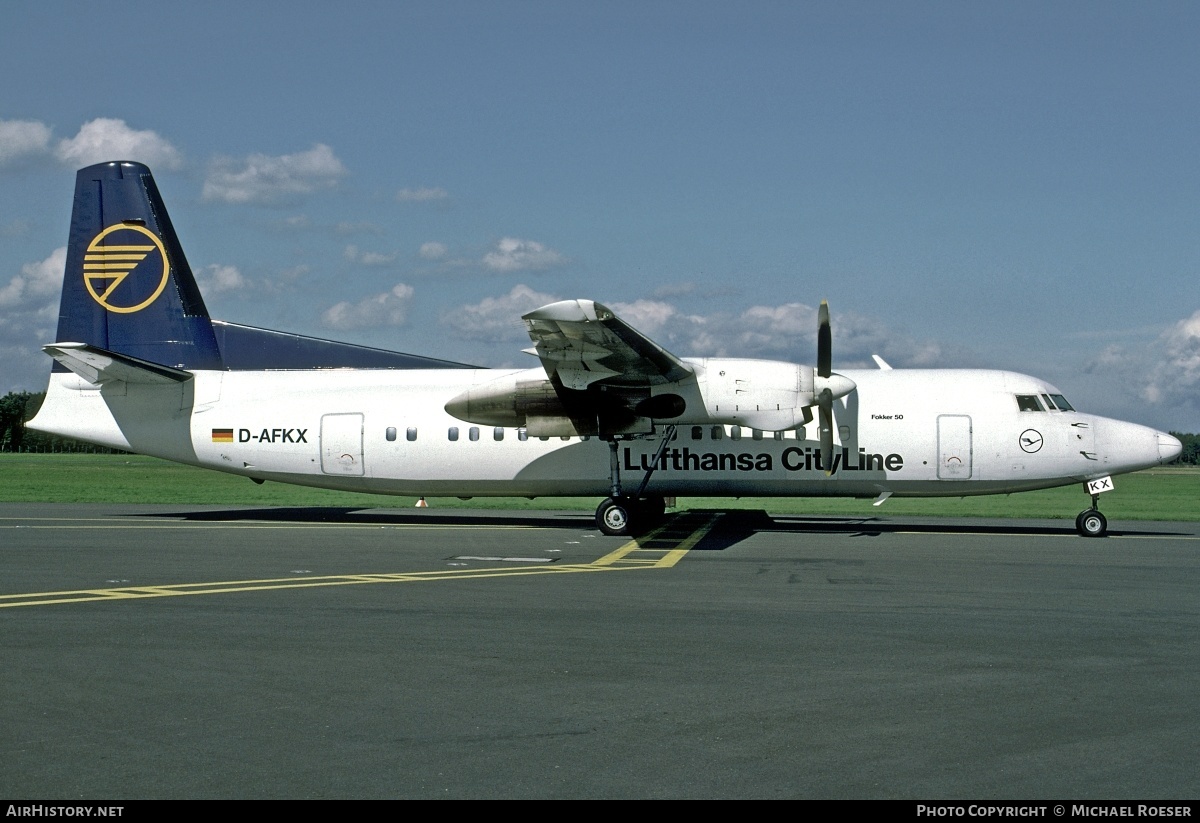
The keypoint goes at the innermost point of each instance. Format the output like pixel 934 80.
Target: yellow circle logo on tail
pixel 106 265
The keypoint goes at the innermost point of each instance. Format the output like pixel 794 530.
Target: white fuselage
pixel 904 432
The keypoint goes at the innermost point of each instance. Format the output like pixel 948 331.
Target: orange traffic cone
pixel 421 504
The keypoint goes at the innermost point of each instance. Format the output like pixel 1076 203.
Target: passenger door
pixel 954 447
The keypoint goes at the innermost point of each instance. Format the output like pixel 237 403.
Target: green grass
pixel 1157 494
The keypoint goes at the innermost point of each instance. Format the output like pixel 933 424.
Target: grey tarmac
pixel 225 652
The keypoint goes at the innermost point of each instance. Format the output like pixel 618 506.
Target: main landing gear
pixel 1090 522
pixel 629 515
pixel 622 514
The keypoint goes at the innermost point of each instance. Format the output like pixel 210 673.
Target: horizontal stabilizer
pixel 97 365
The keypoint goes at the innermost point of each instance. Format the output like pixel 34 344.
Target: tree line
pixel 18 407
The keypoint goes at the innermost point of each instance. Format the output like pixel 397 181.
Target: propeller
pixel 827 385
pixel 824 341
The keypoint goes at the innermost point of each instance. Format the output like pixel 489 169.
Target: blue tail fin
pixel 128 288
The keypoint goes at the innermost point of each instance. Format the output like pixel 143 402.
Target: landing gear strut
pixel 1091 523
pixel 622 514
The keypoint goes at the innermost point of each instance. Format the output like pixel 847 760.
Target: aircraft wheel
pixel 614 517
pixel 1091 523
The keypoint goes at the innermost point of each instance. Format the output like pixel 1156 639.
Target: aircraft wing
pixel 97 365
pixel 583 343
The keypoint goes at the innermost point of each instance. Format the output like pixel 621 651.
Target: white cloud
pixel 368 258
pixel 1174 377
pixel 783 332
pixel 387 309
pixel 647 316
pixel 36 281
pixel 268 180
pixel 766 327
pixel 216 278
pixel 433 250
pixel 496 318
pixel 283 283
pixel 512 254
pixel 28 318
pixel 20 138
pixel 421 195
pixel 106 138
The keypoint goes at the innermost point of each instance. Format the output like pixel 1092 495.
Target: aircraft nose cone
pixel 1169 447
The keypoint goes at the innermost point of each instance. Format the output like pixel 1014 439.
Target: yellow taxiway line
pixel 659 549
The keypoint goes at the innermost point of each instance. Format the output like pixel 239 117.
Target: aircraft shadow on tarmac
pixel 732 526
pixel 382 517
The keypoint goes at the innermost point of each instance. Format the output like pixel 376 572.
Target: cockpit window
pixel 1062 403
pixel 1029 402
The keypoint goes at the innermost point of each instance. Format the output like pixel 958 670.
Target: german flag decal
pixel 222 435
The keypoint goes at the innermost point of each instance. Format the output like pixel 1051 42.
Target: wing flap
pixel 583 342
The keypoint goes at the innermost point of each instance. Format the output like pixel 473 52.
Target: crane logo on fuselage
pixel 1031 441
pixel 125 268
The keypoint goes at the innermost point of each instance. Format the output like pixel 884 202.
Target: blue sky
pixel 1011 185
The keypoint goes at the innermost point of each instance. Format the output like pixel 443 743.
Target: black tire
pixel 1091 523
pixel 614 517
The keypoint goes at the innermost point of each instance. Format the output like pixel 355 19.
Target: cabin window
pixel 1062 403
pixel 473 433
pixel 411 434
pixel 522 434
pixel 1029 402
pixel 735 432
pixel 544 437
pixel 452 433
pixel 697 432
pixel 717 432
pixel 756 434
pixel 498 433
pixel 390 434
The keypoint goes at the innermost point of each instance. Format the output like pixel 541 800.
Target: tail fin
pixel 128 288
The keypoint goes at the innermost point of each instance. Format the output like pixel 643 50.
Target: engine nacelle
pixel 509 400
pixel 529 399
pixel 770 395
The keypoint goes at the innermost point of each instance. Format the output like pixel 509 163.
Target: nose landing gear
pixel 1090 522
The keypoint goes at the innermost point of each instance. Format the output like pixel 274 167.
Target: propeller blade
pixel 824 342
pixel 825 405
